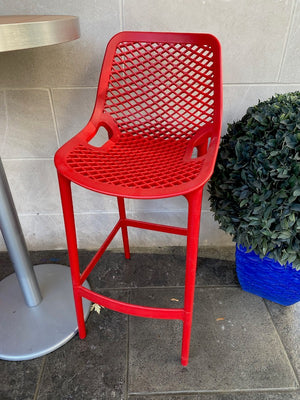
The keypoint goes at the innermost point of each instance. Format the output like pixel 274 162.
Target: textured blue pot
pixel 267 278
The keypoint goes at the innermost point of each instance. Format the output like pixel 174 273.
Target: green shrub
pixel 255 189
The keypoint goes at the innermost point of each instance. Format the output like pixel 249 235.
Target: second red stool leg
pixel 122 212
pixel 194 213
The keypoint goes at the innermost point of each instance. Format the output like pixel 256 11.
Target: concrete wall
pixel 47 95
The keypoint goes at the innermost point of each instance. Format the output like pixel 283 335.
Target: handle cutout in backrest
pixel 101 137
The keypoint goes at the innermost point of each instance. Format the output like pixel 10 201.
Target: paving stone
pixel 224 396
pixel 216 272
pixel 92 368
pixel 287 322
pixel 152 269
pixel 6 267
pixel 18 379
pixel 36 257
pixel 234 345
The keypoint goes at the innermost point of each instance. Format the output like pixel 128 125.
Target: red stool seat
pixel 134 166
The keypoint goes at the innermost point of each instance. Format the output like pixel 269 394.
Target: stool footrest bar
pixel 131 309
pixel 100 252
pixel 155 227
pixel 129 223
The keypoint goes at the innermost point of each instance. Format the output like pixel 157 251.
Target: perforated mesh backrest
pixel 160 88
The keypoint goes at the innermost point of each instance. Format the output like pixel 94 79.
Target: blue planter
pixel 267 278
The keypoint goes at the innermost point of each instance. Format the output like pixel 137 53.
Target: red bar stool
pixel 159 98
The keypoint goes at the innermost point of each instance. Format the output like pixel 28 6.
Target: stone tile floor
pixel 242 347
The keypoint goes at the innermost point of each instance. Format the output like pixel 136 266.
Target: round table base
pixel 30 332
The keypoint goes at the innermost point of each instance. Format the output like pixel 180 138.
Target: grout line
pixel 29 159
pixel 283 345
pixel 209 392
pixel 26 88
pixel 73 87
pixel 6 121
pixel 287 38
pixel 180 287
pixel 121 15
pixel 48 87
pixel 127 352
pixel 267 84
pixel 37 389
pixel 54 117
pixel 260 84
pixel 96 212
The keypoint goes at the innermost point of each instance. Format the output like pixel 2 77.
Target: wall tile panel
pixel 68 64
pixel 73 109
pixel 252 33
pixel 34 186
pixel 30 130
pixel 291 63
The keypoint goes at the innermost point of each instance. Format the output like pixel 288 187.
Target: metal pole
pixel 15 243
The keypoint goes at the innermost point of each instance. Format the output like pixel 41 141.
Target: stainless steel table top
pixel 27 31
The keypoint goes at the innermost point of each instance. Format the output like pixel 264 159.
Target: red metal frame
pixel 159 97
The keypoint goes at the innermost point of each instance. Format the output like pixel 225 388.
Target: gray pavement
pixel 242 347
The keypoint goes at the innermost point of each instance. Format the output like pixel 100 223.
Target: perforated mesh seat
pixel 159 98
pixel 135 165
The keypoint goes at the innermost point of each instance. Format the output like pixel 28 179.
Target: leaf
pixel 274 153
pixel 259 118
pixel 284 224
pixel 96 307
pixel 296 192
pixel 292 258
pixel 295 207
pixel 284 235
pixel 254 222
pixel 291 141
pixel 296 264
pixel 243 202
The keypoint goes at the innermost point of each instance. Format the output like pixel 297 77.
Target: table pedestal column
pixel 15 243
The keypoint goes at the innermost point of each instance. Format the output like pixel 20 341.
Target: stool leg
pixel 122 212
pixel 68 212
pixel 194 213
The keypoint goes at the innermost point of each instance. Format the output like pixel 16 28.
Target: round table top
pixel 27 31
